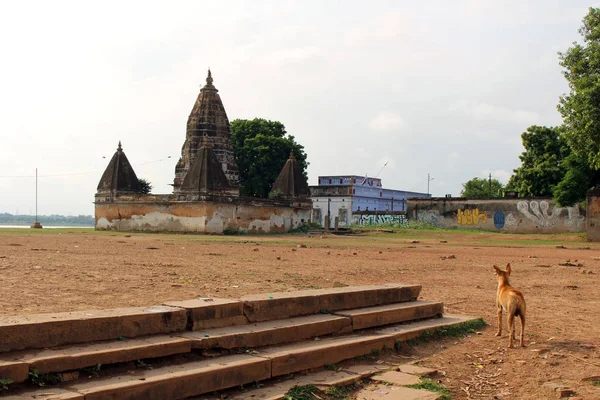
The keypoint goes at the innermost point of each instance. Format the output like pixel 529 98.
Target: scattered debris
pixel 279 258
pixel 443 241
pixel 255 249
pixel 415 241
pixel 301 246
pixel 560 247
pixel 152 248
pixel 569 264
pixel 542 266
pixel 574 287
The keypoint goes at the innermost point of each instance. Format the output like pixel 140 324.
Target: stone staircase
pixel 204 345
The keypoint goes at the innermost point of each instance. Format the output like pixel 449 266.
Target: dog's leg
pixel 522 329
pixel 499 333
pixel 511 329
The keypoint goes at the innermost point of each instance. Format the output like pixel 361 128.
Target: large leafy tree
pixel 261 149
pixel 478 188
pixel 580 108
pixel 541 163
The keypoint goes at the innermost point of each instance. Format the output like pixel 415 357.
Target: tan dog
pixel 512 301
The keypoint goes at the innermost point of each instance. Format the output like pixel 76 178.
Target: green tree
pixel 578 178
pixel 580 108
pixel 145 186
pixel 261 149
pixel 478 188
pixel 541 163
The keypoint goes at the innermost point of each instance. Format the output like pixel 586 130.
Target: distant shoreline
pixel 48 226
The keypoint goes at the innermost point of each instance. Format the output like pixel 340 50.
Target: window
pixel 341 181
pixel 380 194
pixel 358 208
pixel 353 191
pixel 330 181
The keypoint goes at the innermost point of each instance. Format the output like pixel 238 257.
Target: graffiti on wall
pixel 470 217
pixel 373 219
pixel 539 212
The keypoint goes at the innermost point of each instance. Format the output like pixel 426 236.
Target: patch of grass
pixel 92 371
pixel 341 392
pixel 4 382
pixel 305 227
pixel 432 386
pixel 331 367
pixel 368 357
pixel 397 226
pixel 42 380
pixel 463 329
pixel 596 382
pixel 232 231
pixel 301 393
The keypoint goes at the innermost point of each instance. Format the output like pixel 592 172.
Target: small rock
pixel 36 267
pixel 301 246
pixel 452 257
pixel 380 252
pixel 354 254
pixel 68 376
pixel 255 249
pixel 279 258
pixel 176 285
pixel 294 250
pixel 443 241
pixel 560 247
pixel 328 253
pixel 339 284
pixel 415 241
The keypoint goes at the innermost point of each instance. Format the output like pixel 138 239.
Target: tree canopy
pixel 580 108
pixel 478 188
pixel 541 163
pixel 261 149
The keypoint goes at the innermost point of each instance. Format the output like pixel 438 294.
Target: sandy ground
pixel 66 270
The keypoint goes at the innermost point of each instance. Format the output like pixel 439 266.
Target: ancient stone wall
pixel 203 214
pixel 593 215
pixel 520 215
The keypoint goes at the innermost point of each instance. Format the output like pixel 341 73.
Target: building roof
pixel 119 175
pixel 205 175
pixel 291 182
pixel 207 119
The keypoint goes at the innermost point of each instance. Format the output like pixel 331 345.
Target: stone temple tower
pixel 207 119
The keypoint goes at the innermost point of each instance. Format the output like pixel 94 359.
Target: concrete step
pixel 79 356
pixel 388 314
pixel 270 332
pixel 50 330
pixel 198 377
pixel 267 307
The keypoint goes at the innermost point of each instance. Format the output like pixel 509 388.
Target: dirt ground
pixel 69 269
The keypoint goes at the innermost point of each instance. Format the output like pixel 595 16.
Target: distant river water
pixel 46 226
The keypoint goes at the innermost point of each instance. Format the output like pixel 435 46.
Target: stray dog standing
pixel 512 301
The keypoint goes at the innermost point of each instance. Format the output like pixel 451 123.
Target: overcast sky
pixel 440 87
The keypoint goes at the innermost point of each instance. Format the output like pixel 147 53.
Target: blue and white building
pixel 344 195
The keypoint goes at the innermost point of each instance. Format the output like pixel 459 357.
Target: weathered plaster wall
pixel 164 214
pixel 593 215
pixel 520 215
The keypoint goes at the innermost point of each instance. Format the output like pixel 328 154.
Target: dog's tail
pixel 521 308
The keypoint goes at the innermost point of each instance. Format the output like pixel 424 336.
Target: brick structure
pixel 119 176
pixel 291 183
pixel 208 118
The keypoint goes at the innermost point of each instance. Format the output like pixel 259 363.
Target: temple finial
pixel 292 157
pixel 119 148
pixel 209 79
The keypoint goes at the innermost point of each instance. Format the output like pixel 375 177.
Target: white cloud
pixel 490 112
pixel 362 153
pixel 386 121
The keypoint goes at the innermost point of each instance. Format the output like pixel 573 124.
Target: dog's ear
pixel 498 270
pixel 508 269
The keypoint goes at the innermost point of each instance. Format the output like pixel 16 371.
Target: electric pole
pixel 429 179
